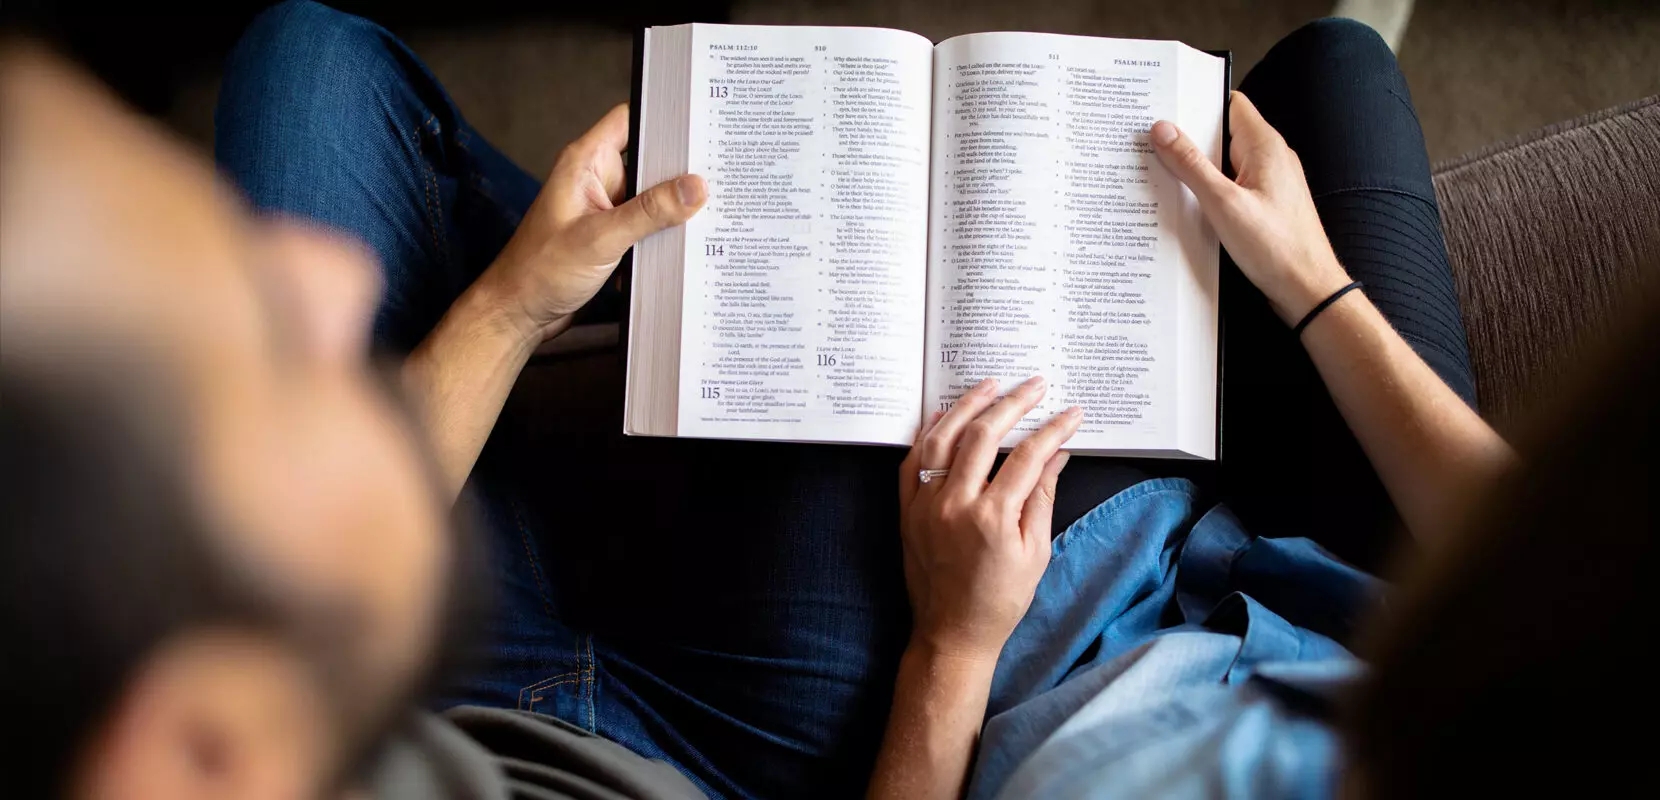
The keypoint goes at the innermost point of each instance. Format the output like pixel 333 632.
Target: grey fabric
pixel 433 760
pixel 1549 237
pixel 474 753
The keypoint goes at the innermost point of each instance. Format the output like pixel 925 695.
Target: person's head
pixel 1513 662
pixel 226 567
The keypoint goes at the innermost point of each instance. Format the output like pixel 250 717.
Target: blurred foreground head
pixel 224 565
pixel 1514 663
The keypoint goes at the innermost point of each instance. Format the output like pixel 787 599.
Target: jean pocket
pixel 542 697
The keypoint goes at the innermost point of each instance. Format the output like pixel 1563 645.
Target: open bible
pixel 891 221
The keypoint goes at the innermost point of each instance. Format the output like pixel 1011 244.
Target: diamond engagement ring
pixel 928 475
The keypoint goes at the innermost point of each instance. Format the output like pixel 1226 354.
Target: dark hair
pixel 105 554
pixel 1517 661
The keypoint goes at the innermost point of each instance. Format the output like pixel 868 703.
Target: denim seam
pixel 475 180
pixel 1151 486
pixel 1233 559
pixel 435 223
pixel 1350 189
pixel 537 685
pixel 535 565
pixel 1406 102
pixel 1147 487
pixel 480 185
pixel 426 186
pixel 588 680
pixel 1142 489
pixel 534 690
pixel 538 697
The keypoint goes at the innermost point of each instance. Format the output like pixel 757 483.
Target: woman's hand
pixel 1431 451
pixel 975 547
pixel 574 233
pixel 1265 218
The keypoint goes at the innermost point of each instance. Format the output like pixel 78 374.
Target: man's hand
pixel 574 234
pixel 567 245
pixel 975 547
pixel 1266 218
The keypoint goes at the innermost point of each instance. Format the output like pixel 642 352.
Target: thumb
pixel 1037 515
pixel 665 205
pixel 1189 164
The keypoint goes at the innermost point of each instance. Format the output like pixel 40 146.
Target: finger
pixel 977 450
pixel 607 138
pixel 665 205
pixel 609 135
pixel 939 447
pixel 596 153
pixel 1037 516
pixel 1251 134
pixel 908 468
pixel 613 176
pixel 1189 164
pixel 1024 466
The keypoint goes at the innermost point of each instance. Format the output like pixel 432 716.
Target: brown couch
pixel 1550 236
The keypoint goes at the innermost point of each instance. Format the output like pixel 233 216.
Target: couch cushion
pixel 1547 235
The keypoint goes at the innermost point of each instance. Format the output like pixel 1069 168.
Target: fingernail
pixel 1075 412
pixel 985 385
pixel 1033 383
pixel 691 190
pixel 1164 133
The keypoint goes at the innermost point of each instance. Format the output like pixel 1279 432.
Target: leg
pixel 735 609
pixel 1291 467
pixel 746 602
pixel 327 117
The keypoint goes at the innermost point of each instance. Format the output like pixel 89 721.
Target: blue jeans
pixel 735 609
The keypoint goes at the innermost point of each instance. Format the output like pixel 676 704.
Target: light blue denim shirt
pixel 1168 653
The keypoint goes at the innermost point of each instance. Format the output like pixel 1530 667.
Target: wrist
pixel 943 654
pixel 1308 287
pixel 500 307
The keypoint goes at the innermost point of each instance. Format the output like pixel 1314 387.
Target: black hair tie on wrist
pixel 1324 304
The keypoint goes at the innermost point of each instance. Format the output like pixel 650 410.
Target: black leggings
pixel 1290 466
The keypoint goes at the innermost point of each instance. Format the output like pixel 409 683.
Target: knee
pixel 306 83
pixel 1334 39
pixel 1325 56
pixel 305 64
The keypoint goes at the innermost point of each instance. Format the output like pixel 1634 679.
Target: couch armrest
pixel 1547 234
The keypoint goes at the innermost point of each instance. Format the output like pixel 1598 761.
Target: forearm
pixel 939 704
pixel 1430 449
pixel 460 376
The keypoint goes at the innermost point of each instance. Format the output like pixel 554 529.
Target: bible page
pixel 1061 247
pixel 805 275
